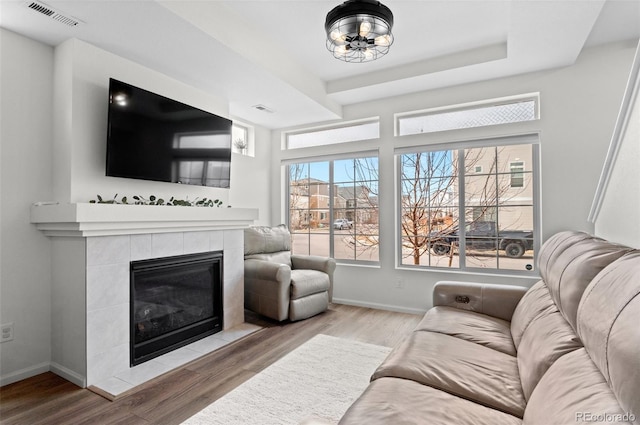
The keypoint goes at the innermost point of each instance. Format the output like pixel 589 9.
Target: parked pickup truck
pixel 482 235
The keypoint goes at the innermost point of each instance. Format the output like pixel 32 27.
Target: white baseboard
pixel 28 372
pixel 69 375
pixel 379 306
pixel 25 373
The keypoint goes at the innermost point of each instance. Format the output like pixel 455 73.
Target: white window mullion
pixel 462 216
pixel 331 212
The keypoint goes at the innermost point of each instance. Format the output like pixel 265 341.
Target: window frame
pixel 332 196
pixel 328 128
pixel 470 106
pixel 463 268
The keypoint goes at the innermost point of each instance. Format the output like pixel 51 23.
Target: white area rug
pixel 318 380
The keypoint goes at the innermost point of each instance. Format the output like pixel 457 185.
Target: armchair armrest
pixel 494 300
pixel 267 287
pixel 315 262
pixel 267 270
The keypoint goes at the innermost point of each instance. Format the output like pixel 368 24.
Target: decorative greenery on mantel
pixel 153 200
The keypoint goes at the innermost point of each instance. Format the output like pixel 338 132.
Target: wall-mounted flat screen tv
pixel 151 137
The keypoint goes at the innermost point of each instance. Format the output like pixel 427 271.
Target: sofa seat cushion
pixel 308 282
pixel 399 401
pixel 459 367
pixel 573 391
pixel 471 326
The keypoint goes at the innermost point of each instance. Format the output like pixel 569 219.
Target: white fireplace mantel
pixel 93 246
pixel 86 219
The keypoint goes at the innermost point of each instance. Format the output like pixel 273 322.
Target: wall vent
pixel 53 14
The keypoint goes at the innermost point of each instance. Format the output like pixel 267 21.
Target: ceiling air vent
pixel 53 14
pixel 263 108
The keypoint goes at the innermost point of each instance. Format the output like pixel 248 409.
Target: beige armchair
pixel 280 285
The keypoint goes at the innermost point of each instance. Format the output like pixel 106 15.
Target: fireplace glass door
pixel 174 302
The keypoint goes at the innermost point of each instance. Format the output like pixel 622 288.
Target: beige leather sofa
pixel 566 351
pixel 281 285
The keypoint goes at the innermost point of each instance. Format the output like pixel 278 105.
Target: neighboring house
pixel 498 186
pixel 357 204
pixel 309 203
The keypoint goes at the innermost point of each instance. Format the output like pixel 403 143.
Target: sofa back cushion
pixel 535 302
pixel 544 322
pixel 554 246
pixel 568 262
pixel 265 239
pixel 548 338
pixel 538 301
pixel 574 268
pixel 608 325
pixel 573 391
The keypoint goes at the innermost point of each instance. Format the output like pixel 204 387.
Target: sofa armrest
pixel 315 262
pixel 494 300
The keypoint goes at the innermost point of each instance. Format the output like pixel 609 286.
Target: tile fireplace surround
pixel 93 245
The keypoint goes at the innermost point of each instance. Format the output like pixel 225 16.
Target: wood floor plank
pixel 174 397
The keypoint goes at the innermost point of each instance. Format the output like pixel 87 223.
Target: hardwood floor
pixel 174 397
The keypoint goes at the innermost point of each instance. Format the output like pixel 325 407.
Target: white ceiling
pixel 273 52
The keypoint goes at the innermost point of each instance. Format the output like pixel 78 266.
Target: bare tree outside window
pixel 357 199
pixel 461 203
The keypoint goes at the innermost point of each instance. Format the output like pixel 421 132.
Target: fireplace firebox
pixel 174 302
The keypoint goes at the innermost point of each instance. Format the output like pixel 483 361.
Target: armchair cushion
pixel 265 239
pixel 280 257
pixel 307 282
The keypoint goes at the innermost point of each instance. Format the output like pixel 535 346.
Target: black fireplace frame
pixel 147 350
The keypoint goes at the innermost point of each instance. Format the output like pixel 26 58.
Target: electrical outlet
pixel 6 332
pixel 400 284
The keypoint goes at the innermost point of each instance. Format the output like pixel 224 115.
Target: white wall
pixel 251 177
pixel 26 95
pixel 82 73
pixel 54 118
pixel 579 105
pixel 619 216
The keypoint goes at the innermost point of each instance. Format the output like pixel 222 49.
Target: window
pixel 333 208
pixel 517 173
pixel 329 136
pixel 455 117
pixel 453 216
pixel 240 139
